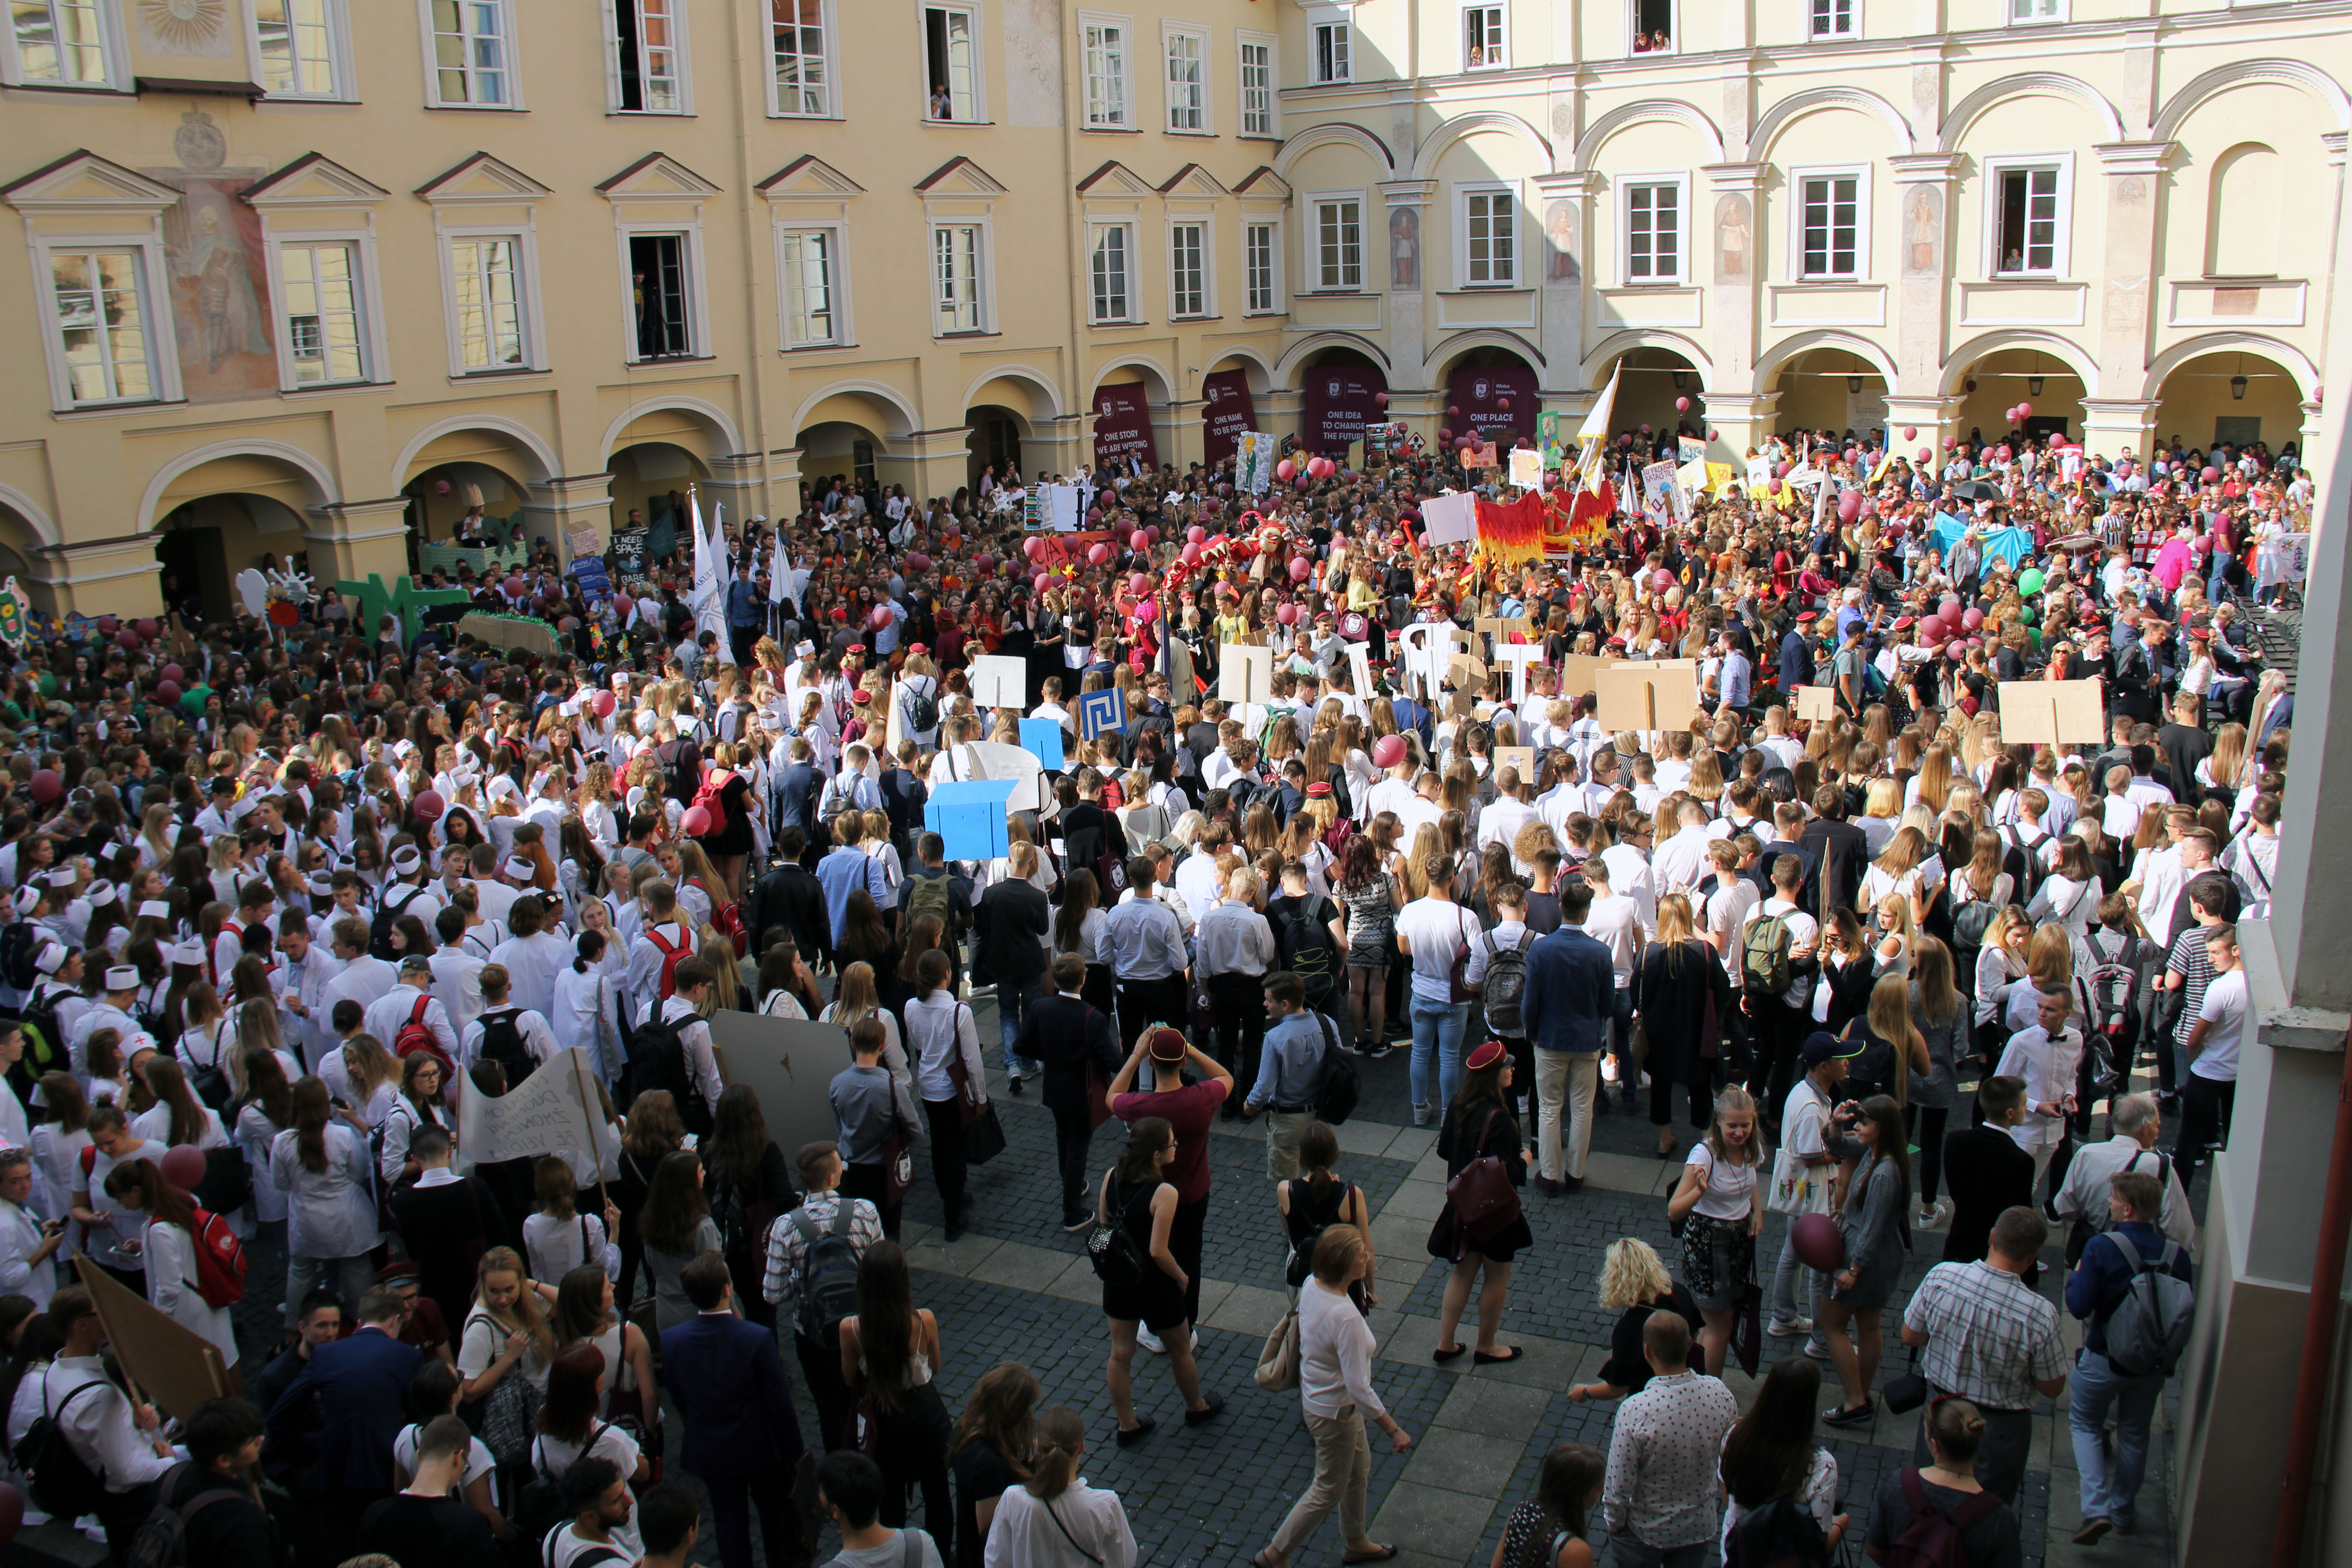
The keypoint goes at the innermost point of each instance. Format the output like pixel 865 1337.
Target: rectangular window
pixel 102 323
pixel 2037 10
pixel 1653 233
pixel 2028 223
pixel 951 45
pixel 955 272
pixel 487 278
pixel 658 282
pixel 1829 222
pixel 469 52
pixel 1482 38
pixel 297 47
pixel 803 85
pixel 60 41
pixel 1258 89
pixel 645 50
pixel 1106 261
pixel 1487 226
pixel 1835 18
pixel 1339 245
pixel 1188 270
pixel 807 263
pixel 1653 26
pixel 322 313
pixel 1259 259
pixel 1188 82
pixel 1105 62
pixel 1332 40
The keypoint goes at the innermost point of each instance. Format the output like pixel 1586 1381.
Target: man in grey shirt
pixel 1289 1073
pixel 870 1103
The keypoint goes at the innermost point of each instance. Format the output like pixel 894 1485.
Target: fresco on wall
pixel 1404 249
pixel 1561 221
pixel 1735 233
pixel 219 279
pixel 1923 233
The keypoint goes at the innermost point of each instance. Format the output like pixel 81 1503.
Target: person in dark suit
pixel 790 895
pixel 1011 923
pixel 796 787
pixel 448 1222
pixel 1566 1008
pixel 1067 1035
pixel 742 1436
pixel 1986 1171
pixel 354 1394
pixel 1839 848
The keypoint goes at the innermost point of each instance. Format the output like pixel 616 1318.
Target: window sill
pixel 2052 276
pixel 304 100
pixel 335 388
pixel 815 348
pixel 1640 283
pixel 1115 326
pixel 1193 320
pixel 954 337
pixel 501 373
pixel 1488 288
pixel 957 124
pixel 1831 280
pixel 1112 130
pixel 129 406
pixel 1257 136
pixel 1254 315
pixel 1331 293
pixel 658 359
pixel 650 114
pixel 76 89
pixel 781 114
pixel 1334 81
pixel 1197 135
pixel 474 108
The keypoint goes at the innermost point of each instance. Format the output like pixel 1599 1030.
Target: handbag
pixel 1278 1365
pixel 1483 1198
pixel 1459 991
pixel 983 1135
pixel 898 1162
pixel 1905 1394
pixel 1797 1187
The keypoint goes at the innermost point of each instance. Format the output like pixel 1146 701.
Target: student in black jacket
pixel 1986 1170
pixel 1068 1035
pixel 231 1529
pixel 790 895
pixel 1011 922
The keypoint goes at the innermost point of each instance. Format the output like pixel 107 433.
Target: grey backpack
pixel 1506 983
pixel 2148 1329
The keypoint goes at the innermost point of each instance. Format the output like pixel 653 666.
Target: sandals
pixel 1510 1352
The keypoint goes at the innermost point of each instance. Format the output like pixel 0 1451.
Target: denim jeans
pixel 2110 1482
pixel 1788 1279
pixel 2217 585
pixel 1013 1004
pixel 1438 1033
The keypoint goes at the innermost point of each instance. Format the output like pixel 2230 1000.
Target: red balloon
pixel 184 1165
pixel 986 562
pixel 1503 404
pixel 1137 541
pixel 695 822
pixel 1151 534
pixel 1444 433
pixel 1381 399
pixel 127 638
pixel 1925 455
pixel 147 628
pixel 1714 436
pixel 1304 481
pixel 604 703
pixel 1817 1243
pixel 1772 486
pixel 1663 579
pixel 1849 505
pixel 1287 615
pixel 1139 583
pixel 167 691
pixel 1910 432
pixel 1192 547
pixel 1452 411
pixel 1196 534
pixel 1299 568
pixel 1285 469
pixel 624 603
pixel 1681 405
pixel 1951 442
pixel 1388 752
pixel 2024 411
pixel 1098 554
pixel 1971 618
pixel 428 803
pixel 878 618
pixel 1038 585
pixel 919 562
pixel 1782 472
pixel 47 786
pixel 173 672
pixel 1030 547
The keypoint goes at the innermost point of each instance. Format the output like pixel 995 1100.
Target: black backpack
pixel 502 1044
pixel 1505 983
pixel 20 943
pixel 2023 863
pixel 44 1042
pixel 1310 953
pixel 1780 1533
pixel 62 1484
pixel 1111 1250
pixel 922 708
pixel 163 1539
pixel 386 911
pixel 209 1079
pixel 658 1061
pixel 828 1284
pixel 1336 1095
pixel 1302 1256
pixel 539 1506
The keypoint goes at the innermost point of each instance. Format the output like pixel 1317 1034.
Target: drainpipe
pixel 2311 1381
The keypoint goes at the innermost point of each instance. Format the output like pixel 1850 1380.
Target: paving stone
pixel 1248 1309
pixel 1463 1461
pixel 1416 1200
pixel 1485 1405
pixel 1436 1519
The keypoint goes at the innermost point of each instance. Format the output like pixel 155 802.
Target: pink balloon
pixel 604 704
pixel 1285 470
pixel 127 638
pixel 1951 442
pixel 1151 534
pixel 624 603
pixel 2024 411
pixel 1149 610
pixel 1712 436
pixel 1304 482
pixel 1287 615
pixel 986 562
pixel 2002 453
pixel 1971 618
pixel 1772 486
pixel 695 822
pixel 1037 584
pixel 148 628
pixel 1925 455
pixel 1139 583
pixel 1381 399
pixel 1452 410
pixel 1196 534
pixel 1910 432
pixel 1818 1243
pixel 173 672
pixel 1444 435
pixel 2211 475
pixel 879 617
pixel 1098 552
pixel 1030 547
pixel 1624 437
pixel 1138 541
pixel 1299 568
pixel 1849 505
pixel 1663 579
pixel 47 785
pixel 1192 548
pixel 184 1165
pixel 428 803
pixel 1681 405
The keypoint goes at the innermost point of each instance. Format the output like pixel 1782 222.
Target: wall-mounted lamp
pixel 2238 387
pixel 1681 379
pixel 1972 383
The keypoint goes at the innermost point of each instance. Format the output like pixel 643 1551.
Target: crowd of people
pixel 280 896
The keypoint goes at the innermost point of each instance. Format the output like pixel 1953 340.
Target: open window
pixel 657 277
pixel 1653 27
pixel 952 53
pixel 2027 241
pixel 1482 38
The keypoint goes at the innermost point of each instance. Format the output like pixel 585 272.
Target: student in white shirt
pixel 500 1009
pixel 169 1248
pixel 2045 1056
pixel 28 1244
pixel 2208 1094
pixel 939 1033
pixel 694 980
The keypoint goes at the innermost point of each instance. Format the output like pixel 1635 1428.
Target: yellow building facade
pixel 307 276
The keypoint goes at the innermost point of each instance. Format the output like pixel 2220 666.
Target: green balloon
pixel 49 684
pixel 2029 582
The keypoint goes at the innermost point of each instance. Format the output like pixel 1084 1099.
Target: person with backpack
pixel 849 1490
pixel 195 1267
pixel 1779 1485
pixel 95 1449
pixel 573 1434
pixel 409 1018
pixel 515 1037
pixel 1936 1513
pixel 810 1277
pixel 1778 961
pixel 1547 1530
pixel 2138 1122
pixel 2134 1293
pixel 596 1527
pixel 1301 1065
pixel 208 1508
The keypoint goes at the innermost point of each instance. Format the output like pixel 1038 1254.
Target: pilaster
pixel 928 462
pixel 2126 290
pixel 1923 201
pixel 1740 420
pixel 2112 427
pixel 1405 236
pixel 570 501
pixel 1734 266
pixel 1567 222
pixel 352 539
pixel 106 577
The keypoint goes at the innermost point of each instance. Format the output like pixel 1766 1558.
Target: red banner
pixel 1123 427
pixel 1478 393
pixel 1226 412
pixel 1340 404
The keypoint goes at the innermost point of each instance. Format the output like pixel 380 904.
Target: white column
pixel 1407 277
pixel 1733 217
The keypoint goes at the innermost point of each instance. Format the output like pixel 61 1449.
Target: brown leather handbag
pixel 1482 1194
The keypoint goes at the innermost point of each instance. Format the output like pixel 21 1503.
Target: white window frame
pixel 1274 305
pixel 699 344
pixel 1680 185
pixel 2063 241
pixel 984 258
pixel 1331 52
pixel 681 60
pixel 1498 52
pixel 828 60
pixel 1099 313
pixel 1105 23
pixel 1464 265
pixel 835 236
pixel 975 103
pixel 1242 43
pixel 113 54
pixel 1207 302
pixel 2037 13
pixel 511 58
pixel 1860 175
pixel 533 338
pixel 1822 18
pixel 1204 111
pixel 367 298
pixel 1633 29
pixel 1316 202
pixel 336 26
pixel 163 367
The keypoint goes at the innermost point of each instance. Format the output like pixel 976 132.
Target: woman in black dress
pixel 1633 1284
pixel 992 1448
pixel 745 1178
pixel 1681 996
pixel 1139 1198
pixel 1478 1124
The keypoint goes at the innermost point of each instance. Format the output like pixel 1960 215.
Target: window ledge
pixel 951 337
pixel 650 114
pixel 2026 278
pixel 474 109
pixel 1112 130
pixel 1114 326
pixel 1254 315
pixel 1198 136
pixel 501 373
pixel 303 100
pixel 1194 321
pixel 1257 136
pixel 335 388
pixel 1488 289
pixel 1640 283
pixel 72 89
pixel 815 348
pixel 1331 293
pixel 131 406
pixel 819 119
pixel 1845 281
pixel 671 359
pixel 957 124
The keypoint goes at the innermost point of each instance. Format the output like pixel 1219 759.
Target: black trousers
pixel 1167 1000
pixel 1184 1234
pixel 1074 1136
pixel 1926 1126
pixel 821 1364
pixel 123 1513
pixel 1238 1001
pixel 2207 1105
pixel 945 1120
pixel 1778 1030
pixel 739 641
pixel 769 1490
pixel 869 1182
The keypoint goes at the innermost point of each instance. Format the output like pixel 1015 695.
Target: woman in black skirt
pixel 1138 1197
pixel 1479 1123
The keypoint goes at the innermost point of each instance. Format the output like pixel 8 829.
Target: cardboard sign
pixel 1815 704
pixel 1042 739
pixel 1520 760
pixel 1526 469
pixel 1502 627
pixel 970 818
pixel 1450 519
pixel 2051 713
pixel 998 681
pixel 1521 657
pixel 167 1362
pixel 1359 670
pixel 1580 673
pixel 1100 712
pixel 1464 673
pixel 1245 674
pixel 790 1063
pixel 554 1108
pixel 1640 697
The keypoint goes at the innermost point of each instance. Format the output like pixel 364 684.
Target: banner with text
pixel 1226 412
pixel 1341 400
pixel 1480 396
pixel 1123 427
pixel 553 1109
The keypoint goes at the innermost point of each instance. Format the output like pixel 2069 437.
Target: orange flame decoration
pixel 1512 532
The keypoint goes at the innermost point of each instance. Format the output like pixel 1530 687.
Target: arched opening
pixel 1834 390
pixel 461 470
pixel 2000 380
pixel 2242 210
pixel 1345 391
pixel 1490 391
pixel 995 440
pixel 20 545
pixel 1650 381
pixel 837 449
pixel 2229 398
pixel 857 432
pixel 650 479
pixel 224 516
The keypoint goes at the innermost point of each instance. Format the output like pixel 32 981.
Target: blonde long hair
pixel 1632 1276
pixel 527 1317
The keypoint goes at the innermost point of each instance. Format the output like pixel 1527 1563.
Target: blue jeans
pixel 2218 584
pixel 1012 1005
pixel 1437 1032
pixel 2110 1482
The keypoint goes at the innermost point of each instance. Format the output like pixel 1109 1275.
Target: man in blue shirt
pixel 1289 1073
pixel 1566 1008
pixel 746 612
pixel 2096 1287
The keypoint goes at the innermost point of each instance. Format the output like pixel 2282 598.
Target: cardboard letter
pixel 970 818
pixel 2051 713
pixel 1580 673
pixel 1521 657
pixel 998 681
pixel 1815 704
pixel 1645 697
pixel 1245 674
pixel 165 1360
pixel 1101 712
pixel 1520 760
pixel 1042 739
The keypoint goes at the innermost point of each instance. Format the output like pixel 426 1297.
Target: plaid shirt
pixel 780 1282
pixel 1989 1337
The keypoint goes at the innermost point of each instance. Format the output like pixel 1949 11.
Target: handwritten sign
pixel 1815 704
pixel 551 1109
pixel 1520 761
pixel 1641 697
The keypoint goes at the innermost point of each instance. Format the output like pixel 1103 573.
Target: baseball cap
pixel 1820 1046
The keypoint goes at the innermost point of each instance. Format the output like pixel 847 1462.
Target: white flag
pixel 709 551
pixel 554 1108
pixel 1592 435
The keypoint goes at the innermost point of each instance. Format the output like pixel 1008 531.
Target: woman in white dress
pixel 321 1165
pixel 170 1250
pixel 584 1013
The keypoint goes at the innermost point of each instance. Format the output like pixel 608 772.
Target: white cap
pixel 64 878
pixel 138 1040
pixel 50 959
pixel 404 859
pixel 519 869
pixel 26 897
pixel 101 894
pixel 186 952
pixel 157 907
pixel 122 977
pixel 502 785
pixel 321 885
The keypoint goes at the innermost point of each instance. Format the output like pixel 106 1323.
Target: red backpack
pixel 1933 1539
pixel 414 1036
pixel 220 1262
pixel 671 958
pixel 707 797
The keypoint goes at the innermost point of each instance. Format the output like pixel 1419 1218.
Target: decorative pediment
pixel 482 178
pixel 657 177
pixel 1263 185
pixel 313 180
pixel 809 175
pixel 85 182
pixel 1193 179
pixel 959 177
pixel 1115 179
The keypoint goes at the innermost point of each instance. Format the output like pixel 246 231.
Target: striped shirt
pixel 780 1280
pixel 1990 1336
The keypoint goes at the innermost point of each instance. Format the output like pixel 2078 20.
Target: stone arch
pixel 1617 344
pixel 1048 403
pixel 35 518
pixel 2027 84
pixel 1262 377
pixel 1777 355
pixel 716 423
pixel 526 441
pixel 883 396
pixel 321 482
pixel 1449 132
pixel 1298 144
pixel 2333 100
pixel 1442 357
pixel 1289 369
pixel 1796 106
pixel 1157 381
pixel 2283 354
pixel 1965 356
pixel 1616 120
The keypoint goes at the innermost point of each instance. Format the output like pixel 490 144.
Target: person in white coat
pixel 28 1244
pixel 584 1013
pixel 456 973
pixel 170 1249
pixel 322 1166
pixel 411 999
pixel 536 952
